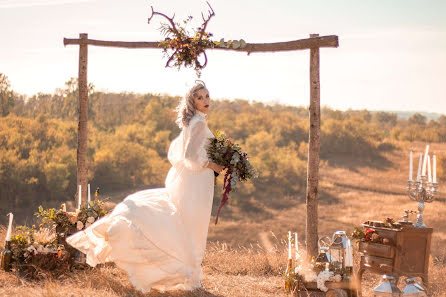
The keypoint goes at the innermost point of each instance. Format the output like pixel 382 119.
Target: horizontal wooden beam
pixel 301 44
pixel 126 44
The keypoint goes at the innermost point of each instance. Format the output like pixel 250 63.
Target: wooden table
pixel 406 254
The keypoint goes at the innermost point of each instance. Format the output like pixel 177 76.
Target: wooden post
pixel 314 144
pixel 82 129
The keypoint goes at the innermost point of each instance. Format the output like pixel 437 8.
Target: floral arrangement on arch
pixel 40 252
pixel 183 47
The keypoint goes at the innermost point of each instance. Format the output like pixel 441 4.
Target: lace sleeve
pixel 195 155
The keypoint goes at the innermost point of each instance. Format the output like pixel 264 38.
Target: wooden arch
pixel 313 44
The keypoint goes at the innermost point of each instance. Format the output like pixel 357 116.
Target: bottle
pixel 6 257
pixel 289 276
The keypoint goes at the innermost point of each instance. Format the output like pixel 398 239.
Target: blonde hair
pixel 186 109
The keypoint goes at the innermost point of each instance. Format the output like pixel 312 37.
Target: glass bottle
pixel 289 276
pixel 6 257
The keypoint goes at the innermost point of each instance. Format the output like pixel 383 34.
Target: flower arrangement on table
pixel 37 253
pixel 369 234
pixel 223 151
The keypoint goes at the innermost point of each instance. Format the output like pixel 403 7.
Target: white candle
pixel 89 196
pixel 419 167
pixel 425 160
pixel 435 169
pixel 429 172
pixel 349 254
pixel 289 244
pixel 64 207
pixel 80 197
pixel 410 166
pixel 296 245
pixel 9 232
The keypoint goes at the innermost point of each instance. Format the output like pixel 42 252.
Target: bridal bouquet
pixel 224 152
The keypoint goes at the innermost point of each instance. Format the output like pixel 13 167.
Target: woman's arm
pixel 195 155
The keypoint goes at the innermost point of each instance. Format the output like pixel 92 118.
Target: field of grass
pixel 246 251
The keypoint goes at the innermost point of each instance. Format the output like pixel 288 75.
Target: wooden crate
pixel 407 253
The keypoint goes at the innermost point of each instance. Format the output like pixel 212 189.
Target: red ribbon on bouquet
pixel 227 188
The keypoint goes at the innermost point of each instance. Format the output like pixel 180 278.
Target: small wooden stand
pixel 407 253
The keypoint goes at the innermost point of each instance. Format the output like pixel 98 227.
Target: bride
pixel 158 236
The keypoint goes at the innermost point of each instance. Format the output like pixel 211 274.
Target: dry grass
pixel 246 256
pixel 227 272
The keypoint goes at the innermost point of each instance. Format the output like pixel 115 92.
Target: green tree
pixel 417 119
pixel 6 96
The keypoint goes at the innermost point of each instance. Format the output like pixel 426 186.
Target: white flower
pixel 47 250
pixel 72 217
pixel 322 278
pixel 79 225
pixel 337 278
pixel 310 276
pixel 30 250
pixel 40 248
pixel 44 236
pixel 90 220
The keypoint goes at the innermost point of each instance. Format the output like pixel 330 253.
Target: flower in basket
pixel 375 237
pixel 222 151
pixel 358 233
pixel 389 222
pixel 43 249
pixel 79 225
pixel 72 218
pixel 44 236
pixel 368 234
pixel 31 250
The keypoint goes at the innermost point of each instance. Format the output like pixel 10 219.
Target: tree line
pixel 129 135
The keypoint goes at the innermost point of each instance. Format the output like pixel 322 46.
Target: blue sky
pixel 392 54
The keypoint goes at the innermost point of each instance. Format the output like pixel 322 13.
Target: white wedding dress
pixel 158 236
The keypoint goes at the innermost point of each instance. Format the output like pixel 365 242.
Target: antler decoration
pixel 186 49
pixel 174 28
pixel 205 22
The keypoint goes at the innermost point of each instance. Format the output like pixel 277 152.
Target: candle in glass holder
pixel 80 198
pixel 296 245
pixel 429 172
pixel 425 160
pixel 349 254
pixel 435 169
pixel 410 166
pixel 89 196
pixel 419 167
pixel 9 232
